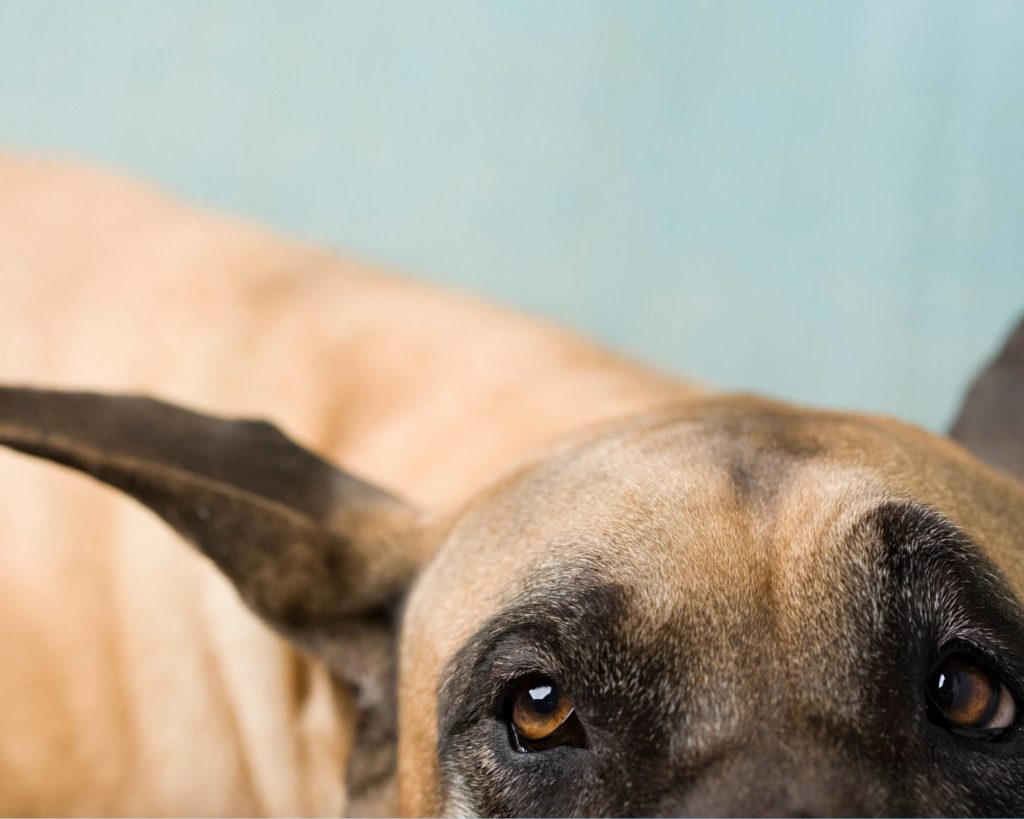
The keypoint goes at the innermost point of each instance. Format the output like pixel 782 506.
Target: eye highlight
pixel 971 700
pixel 542 716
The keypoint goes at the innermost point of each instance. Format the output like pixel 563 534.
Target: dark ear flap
pixel 319 554
pixel 304 543
pixel 991 420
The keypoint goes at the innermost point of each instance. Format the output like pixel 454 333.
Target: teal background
pixel 817 200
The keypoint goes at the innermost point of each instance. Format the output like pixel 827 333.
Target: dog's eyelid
pixel 504 662
pixel 988 651
pixel 508 681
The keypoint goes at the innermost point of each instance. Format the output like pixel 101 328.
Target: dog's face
pixel 730 607
pixel 736 607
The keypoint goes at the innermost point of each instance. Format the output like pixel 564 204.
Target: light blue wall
pixel 819 200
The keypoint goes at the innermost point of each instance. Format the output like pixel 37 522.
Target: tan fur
pixel 133 680
pixel 651 502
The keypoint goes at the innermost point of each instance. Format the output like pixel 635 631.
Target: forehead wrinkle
pixel 824 584
pixel 763 587
pixel 722 542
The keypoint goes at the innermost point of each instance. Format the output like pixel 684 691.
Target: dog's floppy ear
pixel 320 555
pixel 303 542
pixel 991 420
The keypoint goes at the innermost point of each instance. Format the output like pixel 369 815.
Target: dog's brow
pixel 913 534
pixel 934 568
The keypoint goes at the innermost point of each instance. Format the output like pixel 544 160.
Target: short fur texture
pixel 744 600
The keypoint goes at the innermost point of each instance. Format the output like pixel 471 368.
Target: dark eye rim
pixel 990 664
pixel 570 734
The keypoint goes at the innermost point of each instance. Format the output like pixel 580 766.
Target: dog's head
pixel 734 607
pixel 730 606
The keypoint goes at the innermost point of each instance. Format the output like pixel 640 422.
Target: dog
pixel 547 581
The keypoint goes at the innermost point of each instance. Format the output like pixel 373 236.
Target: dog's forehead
pixel 672 509
pixel 700 507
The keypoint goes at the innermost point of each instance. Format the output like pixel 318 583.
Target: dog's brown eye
pixel 539 709
pixel 971 698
